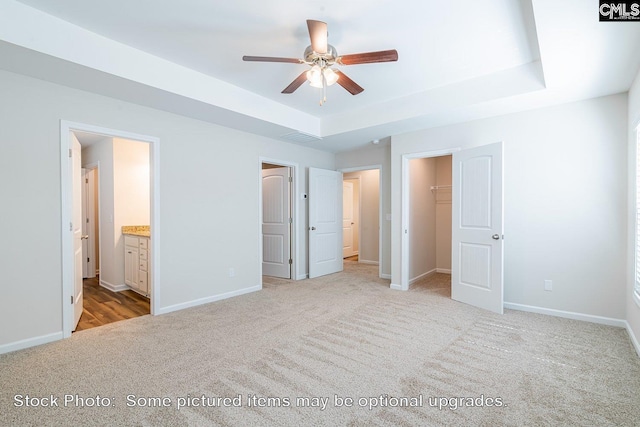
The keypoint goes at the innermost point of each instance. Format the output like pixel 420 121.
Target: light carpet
pixel 338 350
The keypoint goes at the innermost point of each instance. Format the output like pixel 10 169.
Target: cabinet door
pixel 131 266
pixel 142 282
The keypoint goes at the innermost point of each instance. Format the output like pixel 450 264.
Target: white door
pixel 325 222
pixel 89 223
pixel 85 225
pixel 477 210
pixel 348 219
pixel 276 222
pixel 77 179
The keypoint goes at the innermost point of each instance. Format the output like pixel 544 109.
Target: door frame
pixel 405 205
pixel 66 127
pixel 380 214
pixel 295 244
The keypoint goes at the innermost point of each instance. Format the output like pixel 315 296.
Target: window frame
pixel 636 284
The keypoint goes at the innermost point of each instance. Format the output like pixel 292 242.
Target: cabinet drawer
pixel 144 243
pixel 130 241
pixel 143 265
pixel 144 254
pixel 142 282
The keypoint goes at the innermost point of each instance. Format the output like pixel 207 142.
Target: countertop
pixel 137 230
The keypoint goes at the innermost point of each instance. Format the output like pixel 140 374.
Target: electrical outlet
pixel 548 285
pixel 232 272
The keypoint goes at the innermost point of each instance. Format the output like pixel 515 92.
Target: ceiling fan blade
pixel 296 83
pixel 369 57
pixel 271 59
pixel 318 35
pixel 352 87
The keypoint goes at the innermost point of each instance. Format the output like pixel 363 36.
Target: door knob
pixel 313 228
pixel 496 237
pixel 85 237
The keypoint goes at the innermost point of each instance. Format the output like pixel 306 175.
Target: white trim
pixel 208 300
pixel 396 287
pixel 295 242
pixel 302 277
pixel 621 323
pixel 30 342
pixel 404 207
pixel 632 337
pixel 112 287
pixel 366 261
pixel 66 127
pixel 443 270
pixel 636 297
pixel 380 213
pixel 422 276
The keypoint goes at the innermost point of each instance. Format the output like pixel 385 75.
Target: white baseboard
pixel 396 287
pixel 633 339
pixel 422 276
pixel 385 276
pixel 30 342
pixel 207 300
pixel 621 323
pixel 112 287
pixel 443 270
pixel 302 276
pixel 366 261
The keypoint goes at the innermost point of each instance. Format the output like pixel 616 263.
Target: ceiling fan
pixel 321 56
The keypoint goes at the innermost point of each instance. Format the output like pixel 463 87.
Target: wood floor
pixel 101 306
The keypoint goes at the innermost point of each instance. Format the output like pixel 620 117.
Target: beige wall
pixel 564 177
pixel 204 169
pixel 443 214
pixel 422 218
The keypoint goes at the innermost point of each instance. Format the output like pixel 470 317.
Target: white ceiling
pixel 457 60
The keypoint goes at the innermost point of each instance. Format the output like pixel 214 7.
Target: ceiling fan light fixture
pixel 315 74
pixel 330 76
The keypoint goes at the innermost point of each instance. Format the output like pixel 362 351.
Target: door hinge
pixel 70 152
pixel 71 299
pixel 70 226
pixel 290 261
pixel 87 220
pixel 88 259
pixel 290 220
pixel 290 179
pixel 86 180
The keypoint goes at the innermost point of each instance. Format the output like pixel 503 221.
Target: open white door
pixel 477 210
pixel 276 222
pixel 325 222
pixel 77 222
pixel 85 225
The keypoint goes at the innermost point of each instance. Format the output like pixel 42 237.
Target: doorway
pixel 477 217
pixel 362 211
pixel 113 213
pixel 430 193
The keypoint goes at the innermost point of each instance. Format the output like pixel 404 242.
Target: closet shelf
pixel 440 187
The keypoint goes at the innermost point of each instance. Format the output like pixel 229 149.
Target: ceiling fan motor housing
pixel 312 57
